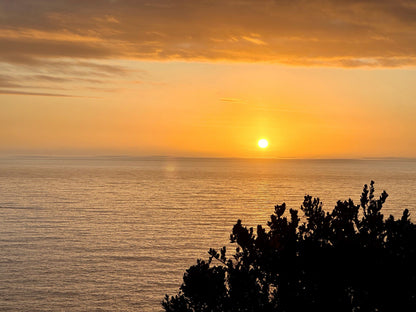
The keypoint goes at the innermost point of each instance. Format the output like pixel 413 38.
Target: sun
pixel 263 143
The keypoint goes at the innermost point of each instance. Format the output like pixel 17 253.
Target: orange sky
pixel 325 79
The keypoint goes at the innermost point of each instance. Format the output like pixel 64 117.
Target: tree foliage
pixel 350 259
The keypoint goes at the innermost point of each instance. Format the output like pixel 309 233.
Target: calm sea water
pixel 116 234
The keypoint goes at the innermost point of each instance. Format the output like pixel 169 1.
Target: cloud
pixel 14 92
pixel 8 82
pixel 341 33
pixel 254 40
pixel 232 100
pixel 71 75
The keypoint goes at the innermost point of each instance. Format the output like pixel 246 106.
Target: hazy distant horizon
pixel 129 158
pixel 167 156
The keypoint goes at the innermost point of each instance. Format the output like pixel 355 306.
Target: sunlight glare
pixel 263 143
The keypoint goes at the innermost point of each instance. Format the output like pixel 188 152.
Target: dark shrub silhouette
pixel 350 259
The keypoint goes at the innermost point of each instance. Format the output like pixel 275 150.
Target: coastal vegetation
pixel 349 259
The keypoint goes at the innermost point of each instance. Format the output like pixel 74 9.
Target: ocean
pixel 117 233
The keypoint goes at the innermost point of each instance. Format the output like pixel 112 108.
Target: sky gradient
pixel 318 79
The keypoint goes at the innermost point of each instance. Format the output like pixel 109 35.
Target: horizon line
pixel 132 157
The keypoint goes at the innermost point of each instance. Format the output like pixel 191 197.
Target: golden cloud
pixel 311 33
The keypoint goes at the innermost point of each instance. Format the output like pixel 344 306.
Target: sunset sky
pixel 317 79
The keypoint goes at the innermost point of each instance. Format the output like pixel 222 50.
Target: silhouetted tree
pixel 350 259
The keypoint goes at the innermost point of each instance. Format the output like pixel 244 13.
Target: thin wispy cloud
pixel 254 40
pixel 71 75
pixel 14 92
pixel 232 100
